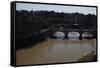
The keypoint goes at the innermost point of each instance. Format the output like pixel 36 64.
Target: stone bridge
pixel 65 29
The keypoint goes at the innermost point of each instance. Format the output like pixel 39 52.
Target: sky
pixel 56 8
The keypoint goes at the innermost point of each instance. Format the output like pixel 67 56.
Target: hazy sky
pixel 56 8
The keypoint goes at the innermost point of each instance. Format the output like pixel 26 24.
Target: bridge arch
pixel 74 28
pixel 73 35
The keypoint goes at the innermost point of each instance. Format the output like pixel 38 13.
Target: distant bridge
pixel 51 30
pixel 66 30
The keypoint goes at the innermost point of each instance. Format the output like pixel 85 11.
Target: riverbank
pixel 90 57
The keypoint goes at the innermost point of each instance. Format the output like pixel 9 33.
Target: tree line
pixel 34 21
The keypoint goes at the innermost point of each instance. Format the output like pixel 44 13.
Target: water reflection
pixel 55 51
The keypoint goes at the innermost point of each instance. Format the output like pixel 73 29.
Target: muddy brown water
pixel 55 51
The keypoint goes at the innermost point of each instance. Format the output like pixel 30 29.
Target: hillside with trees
pixel 34 21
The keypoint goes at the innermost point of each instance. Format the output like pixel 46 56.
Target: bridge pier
pixel 80 37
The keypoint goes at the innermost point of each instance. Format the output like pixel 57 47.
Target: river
pixel 55 51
